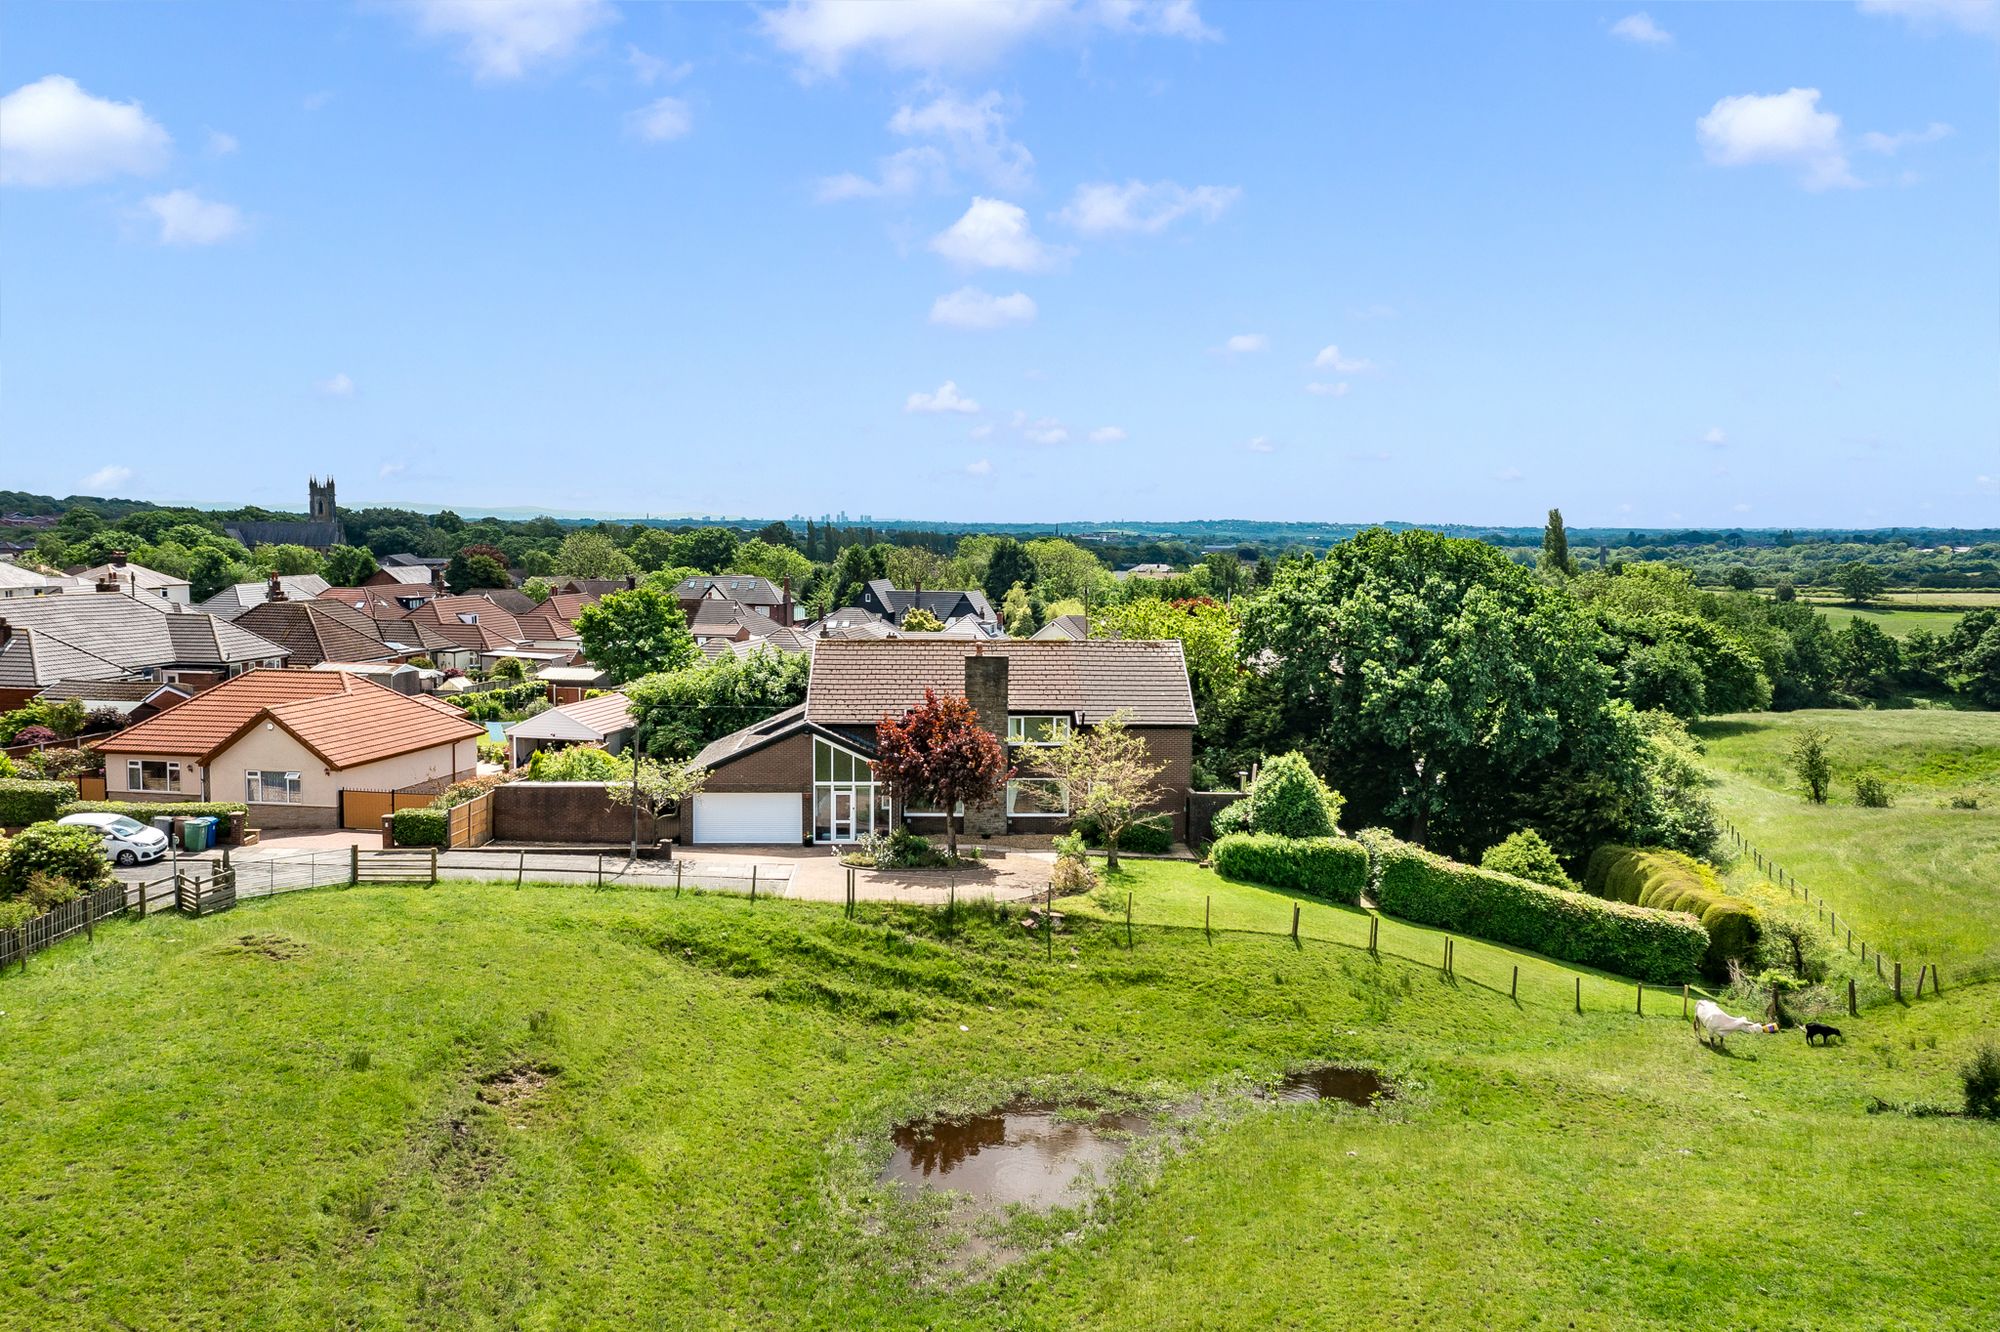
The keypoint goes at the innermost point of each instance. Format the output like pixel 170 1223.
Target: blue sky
pixel 1045 260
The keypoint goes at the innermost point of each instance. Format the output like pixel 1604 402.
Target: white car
pixel 127 841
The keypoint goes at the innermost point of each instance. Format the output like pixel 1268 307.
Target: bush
pixel 36 735
pixel 419 827
pixel 1289 799
pixel 62 765
pixel 1871 792
pixel 577 763
pixel 492 751
pixel 1152 835
pixel 1335 868
pixel 24 801
pixel 46 891
pixel 1670 881
pixel 15 914
pixel 145 811
pixel 1662 947
pixel 68 852
pixel 471 788
pixel 1981 1077
pixel 1231 818
pixel 1526 856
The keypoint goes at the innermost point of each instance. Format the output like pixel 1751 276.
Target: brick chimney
pixel 276 591
pixel 118 558
pixel 986 691
pixel 786 615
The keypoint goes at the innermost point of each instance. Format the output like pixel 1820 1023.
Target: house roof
pixel 121 694
pixel 571 675
pixel 318 535
pixel 89 635
pixel 470 621
pixel 1072 627
pixel 856 681
pixel 748 588
pixel 590 720
pixel 757 735
pixel 405 559
pixel 132 575
pixel 943 602
pixel 14 576
pixel 317 631
pixel 232 601
pixel 368 600
pixel 344 719
pixel 417 574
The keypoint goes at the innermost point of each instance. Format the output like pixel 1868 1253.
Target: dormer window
pixel 1037 729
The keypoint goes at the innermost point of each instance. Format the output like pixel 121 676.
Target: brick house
pixel 805 776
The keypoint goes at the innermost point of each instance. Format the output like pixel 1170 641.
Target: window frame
pixel 135 774
pixel 257 791
pixel 1017 782
pixel 1061 727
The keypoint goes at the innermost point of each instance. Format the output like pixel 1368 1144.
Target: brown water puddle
pixel 1356 1086
pixel 1028 1153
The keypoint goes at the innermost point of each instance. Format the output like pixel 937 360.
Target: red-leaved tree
pixel 939 754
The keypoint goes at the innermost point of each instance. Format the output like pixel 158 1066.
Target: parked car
pixel 127 841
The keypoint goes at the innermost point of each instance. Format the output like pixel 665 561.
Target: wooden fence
pixel 415 864
pixel 363 811
pixel 78 916
pixel 470 824
pixel 197 896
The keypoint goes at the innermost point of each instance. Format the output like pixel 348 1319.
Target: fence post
pixel 1935 989
pixel 1684 1000
pixel 1295 920
pixel 1853 1010
pixel 1899 982
pixel 677 880
pixel 521 868
pixel 1579 994
pixel 753 883
pixel 353 865
pixel 1639 1003
pixel 434 864
pixel 1207 906
pixel 1514 986
pixel 1374 930
pixel 1878 966
pixel 600 869
pixel 850 891
pixel 1128 922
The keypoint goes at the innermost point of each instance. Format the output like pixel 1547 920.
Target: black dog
pixel 1821 1030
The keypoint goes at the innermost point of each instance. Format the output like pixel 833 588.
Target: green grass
pixel 1894 621
pixel 291 1134
pixel 1918 879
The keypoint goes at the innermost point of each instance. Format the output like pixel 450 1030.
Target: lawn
pixel 288 1116
pixel 1919 879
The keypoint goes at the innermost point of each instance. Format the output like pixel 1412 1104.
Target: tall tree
pixel 348 566
pixel 1812 762
pixel 635 633
pixel 1555 546
pixel 1110 775
pixel 1010 564
pixel 1859 583
pixel 589 554
pixel 939 754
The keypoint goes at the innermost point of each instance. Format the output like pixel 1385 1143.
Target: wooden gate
pixel 363 811
pixel 470 824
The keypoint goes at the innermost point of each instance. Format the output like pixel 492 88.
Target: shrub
pixel 1663 947
pixel 1981 1076
pixel 147 810
pixel 69 852
pixel 1289 799
pixel 16 913
pixel 1871 792
pixel 419 827
pixel 62 765
pixel 1526 856
pixel 45 891
pixel 472 787
pixel 7 768
pixel 35 735
pixel 1335 868
pixel 1670 881
pixel 1152 835
pixel 1231 818
pixel 492 751
pixel 24 801
pixel 577 763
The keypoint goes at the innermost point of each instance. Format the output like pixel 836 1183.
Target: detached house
pixel 109 636
pixel 893 603
pixel 294 745
pixel 805 776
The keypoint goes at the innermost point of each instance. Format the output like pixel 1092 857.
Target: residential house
pixel 893 603
pixel 317 630
pixel 605 721
pixel 593 588
pixel 320 531
pixel 1148 571
pixel 409 586
pixel 97 636
pixel 135 700
pixel 1069 628
pixel 292 744
pixel 759 595
pixel 730 622
pixel 405 560
pixel 397 675
pixel 473 622
pixel 17 580
pixel 805 775
pixel 135 580
pixel 232 601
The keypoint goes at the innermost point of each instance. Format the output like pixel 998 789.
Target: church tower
pixel 321 499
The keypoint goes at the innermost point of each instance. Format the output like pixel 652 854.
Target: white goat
pixel 1711 1024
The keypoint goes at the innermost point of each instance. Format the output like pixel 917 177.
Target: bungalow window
pixel 1037 797
pixel 272 788
pixel 1037 729
pixel 152 775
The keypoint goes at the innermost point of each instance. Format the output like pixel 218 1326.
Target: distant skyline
pixel 1028 261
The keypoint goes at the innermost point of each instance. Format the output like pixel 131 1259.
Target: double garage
pixel 748 818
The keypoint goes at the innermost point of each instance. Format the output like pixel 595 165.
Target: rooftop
pixel 857 681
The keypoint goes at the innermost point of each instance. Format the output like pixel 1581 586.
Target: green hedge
pixel 1152 835
pixel 1331 867
pixel 147 810
pixel 1671 881
pixel 23 801
pixel 419 827
pixel 71 853
pixel 1663 947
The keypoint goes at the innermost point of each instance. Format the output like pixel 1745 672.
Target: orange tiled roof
pixel 209 719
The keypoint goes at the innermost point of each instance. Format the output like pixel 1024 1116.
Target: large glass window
pixel 152 775
pixel 1037 729
pixel 848 803
pixel 1037 797
pixel 272 788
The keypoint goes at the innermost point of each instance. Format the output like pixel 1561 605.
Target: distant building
pixel 320 531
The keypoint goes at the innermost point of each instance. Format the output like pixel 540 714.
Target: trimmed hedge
pixel 419 827
pixel 24 801
pixel 1671 881
pixel 1152 835
pixel 1662 947
pixel 1335 868
pixel 147 810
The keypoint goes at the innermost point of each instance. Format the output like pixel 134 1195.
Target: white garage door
pixel 747 818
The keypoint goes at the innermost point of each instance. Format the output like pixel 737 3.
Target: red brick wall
pixel 555 812
pixel 783 766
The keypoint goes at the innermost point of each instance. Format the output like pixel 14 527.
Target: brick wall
pixel 986 691
pixel 783 766
pixel 555 812
pixel 1202 807
pixel 1174 746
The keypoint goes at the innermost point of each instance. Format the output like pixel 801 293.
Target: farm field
pixel 1896 621
pixel 480 1107
pixel 1919 879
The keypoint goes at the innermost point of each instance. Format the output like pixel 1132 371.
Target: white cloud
pixel 1985 482
pixel 946 399
pixel 503 39
pixel 1980 17
pixel 1339 390
pixel 1102 207
pixel 1330 358
pixel 315 101
pixel 1259 444
pixel 969 307
pixel 1046 430
pixel 1640 28
pixel 1508 475
pixel 54 133
pixel 101 480
pixel 1786 129
pixel 976 134
pixel 983 467
pixel 1108 435
pixel 649 69
pixel 995 234
pixel 221 144
pixel 389 469
pixel 901 174
pixel 660 121
pixel 1890 144
pixel 186 218
pixel 823 35
pixel 980 431
pixel 336 386
pixel 1243 344
pixel 1715 436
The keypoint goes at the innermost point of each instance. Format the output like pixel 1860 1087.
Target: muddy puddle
pixel 1030 1154
pixel 1356 1086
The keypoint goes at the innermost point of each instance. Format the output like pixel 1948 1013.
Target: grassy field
pixel 1919 879
pixel 1895 621
pixel 480 1107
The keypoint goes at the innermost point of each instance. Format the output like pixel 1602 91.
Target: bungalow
pixel 317 630
pixel 605 720
pixel 233 600
pixel 292 744
pixel 136 580
pixel 97 636
pixel 805 775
